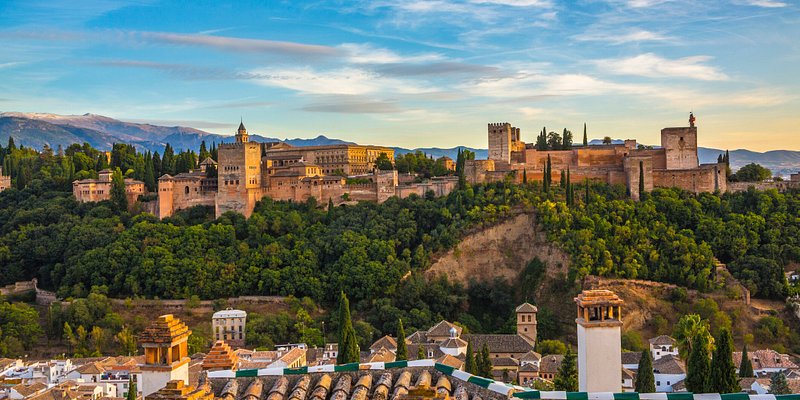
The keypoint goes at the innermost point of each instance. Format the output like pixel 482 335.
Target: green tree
pixel 486 363
pixel 585 138
pixel 723 372
pixel 645 380
pixel 421 352
pixel 118 196
pixel 688 328
pixel 566 138
pixel 778 384
pixel 149 173
pixel 131 389
pixel 524 176
pixel 127 341
pixel 551 346
pixel 567 377
pixel 383 163
pixel 607 140
pixel 745 367
pixel 402 350
pixel 698 367
pixel 641 180
pixel 470 365
pixel 348 346
pixel 751 173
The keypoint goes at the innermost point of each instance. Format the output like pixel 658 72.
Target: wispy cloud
pixel 516 3
pixel 368 54
pixel 644 3
pixel 10 64
pixel 346 80
pixel 233 44
pixel 352 105
pixel 767 3
pixel 652 66
pixel 634 35
pixel 449 68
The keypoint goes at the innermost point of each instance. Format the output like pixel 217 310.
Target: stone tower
pixel 241 134
pixel 238 175
pixel 165 352
pixel 681 147
pixel 500 137
pixel 599 341
pixel 526 322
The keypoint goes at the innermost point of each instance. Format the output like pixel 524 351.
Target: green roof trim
pixel 246 373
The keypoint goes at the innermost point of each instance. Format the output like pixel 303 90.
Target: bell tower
pixel 241 133
pixel 526 322
pixel 165 344
pixel 599 341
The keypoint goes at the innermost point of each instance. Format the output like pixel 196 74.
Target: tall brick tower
pixel 500 137
pixel 239 175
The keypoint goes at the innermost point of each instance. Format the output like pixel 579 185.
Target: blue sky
pixel 414 73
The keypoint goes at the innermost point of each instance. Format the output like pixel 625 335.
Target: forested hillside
pixel 368 249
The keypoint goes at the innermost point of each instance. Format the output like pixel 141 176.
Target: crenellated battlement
pixel 498 124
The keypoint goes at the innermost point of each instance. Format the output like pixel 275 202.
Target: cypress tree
pixel 203 152
pixel 11 146
pixel 641 179
pixel 149 173
pixel 402 351
pixel 348 347
pixel 585 139
pixel 723 372
pixel 547 175
pixel 570 193
pixel 746 367
pixel 645 380
pixel 567 377
pixel 563 182
pixel 420 352
pixel 118 196
pixel 524 176
pixel 586 199
pixel 131 388
pixel 469 363
pixel 778 384
pixel 486 362
pixel 698 366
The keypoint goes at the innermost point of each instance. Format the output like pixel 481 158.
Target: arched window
pixel 186 190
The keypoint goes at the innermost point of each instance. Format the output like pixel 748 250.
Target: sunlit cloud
pixel 652 66
pixel 635 35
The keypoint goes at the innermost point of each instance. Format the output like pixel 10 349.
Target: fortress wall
pixel 780 186
pixel 475 171
pixel 694 180
pixel 559 159
pixel 636 167
pixel 600 156
pixel 659 156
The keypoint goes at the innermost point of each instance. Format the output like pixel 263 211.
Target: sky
pixel 414 73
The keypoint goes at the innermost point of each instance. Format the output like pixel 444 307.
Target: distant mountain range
pixel 37 129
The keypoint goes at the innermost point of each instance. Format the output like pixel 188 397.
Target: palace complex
pixel 248 171
pixel 674 164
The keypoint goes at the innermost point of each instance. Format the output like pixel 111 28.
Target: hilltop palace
pixel 675 164
pixel 248 171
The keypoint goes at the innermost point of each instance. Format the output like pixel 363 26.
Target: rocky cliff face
pixel 502 250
